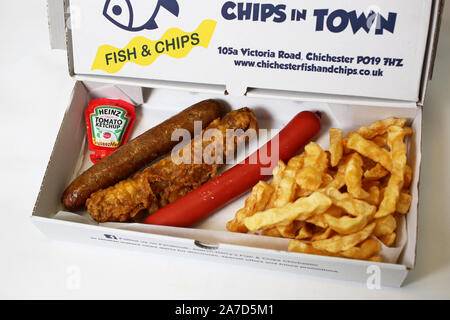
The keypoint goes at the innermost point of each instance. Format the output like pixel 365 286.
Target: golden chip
pixel 341 243
pixel 315 166
pixel 398 148
pixel 305 232
pixel 322 235
pixel 257 201
pixel 364 251
pixel 285 192
pixel 339 178
pixel 390 196
pixel 336 146
pixel 367 184
pixel 301 193
pixel 277 176
pixel 319 219
pixel 290 230
pixel 375 173
pixel 388 239
pixel 326 180
pixel 398 151
pixel 374 195
pixel 380 127
pixel 301 209
pixel 368 163
pixel 303 247
pixel 346 224
pixel 404 203
pixel 370 150
pixel 380 141
pixel 385 225
pixel 278 173
pixel 353 176
pixel 353 206
pixel 271 232
pixel 408 177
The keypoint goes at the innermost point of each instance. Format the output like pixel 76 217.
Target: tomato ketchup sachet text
pixel 108 124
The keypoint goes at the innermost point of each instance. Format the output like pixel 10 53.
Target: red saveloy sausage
pixel 234 182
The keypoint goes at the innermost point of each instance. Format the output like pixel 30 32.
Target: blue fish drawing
pixel 133 15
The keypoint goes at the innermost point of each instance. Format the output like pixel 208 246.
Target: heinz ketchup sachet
pixel 108 123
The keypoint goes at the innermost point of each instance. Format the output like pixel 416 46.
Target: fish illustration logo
pixel 133 15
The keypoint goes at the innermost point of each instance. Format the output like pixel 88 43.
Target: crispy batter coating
pixel 167 180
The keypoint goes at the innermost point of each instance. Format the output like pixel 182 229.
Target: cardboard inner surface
pixel 70 156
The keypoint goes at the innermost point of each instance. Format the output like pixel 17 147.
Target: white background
pixel 35 88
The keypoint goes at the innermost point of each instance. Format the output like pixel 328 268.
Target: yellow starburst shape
pixel 175 43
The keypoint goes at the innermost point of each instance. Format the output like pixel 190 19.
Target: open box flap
pixel 433 39
pixel 401 32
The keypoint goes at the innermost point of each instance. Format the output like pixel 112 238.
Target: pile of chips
pixel 345 202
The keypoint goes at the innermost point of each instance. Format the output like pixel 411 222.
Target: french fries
pixel 353 177
pixel 257 201
pixel 345 202
pixel 379 128
pixel 340 243
pixel 301 209
pixel 398 155
pixel 336 146
pixel 375 173
pixel 370 150
pixel 310 177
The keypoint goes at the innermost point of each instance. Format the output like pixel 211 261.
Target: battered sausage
pixel 137 153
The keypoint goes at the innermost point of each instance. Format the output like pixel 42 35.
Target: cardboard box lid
pixel 371 49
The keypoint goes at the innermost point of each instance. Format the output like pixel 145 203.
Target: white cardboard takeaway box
pixel 325 42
